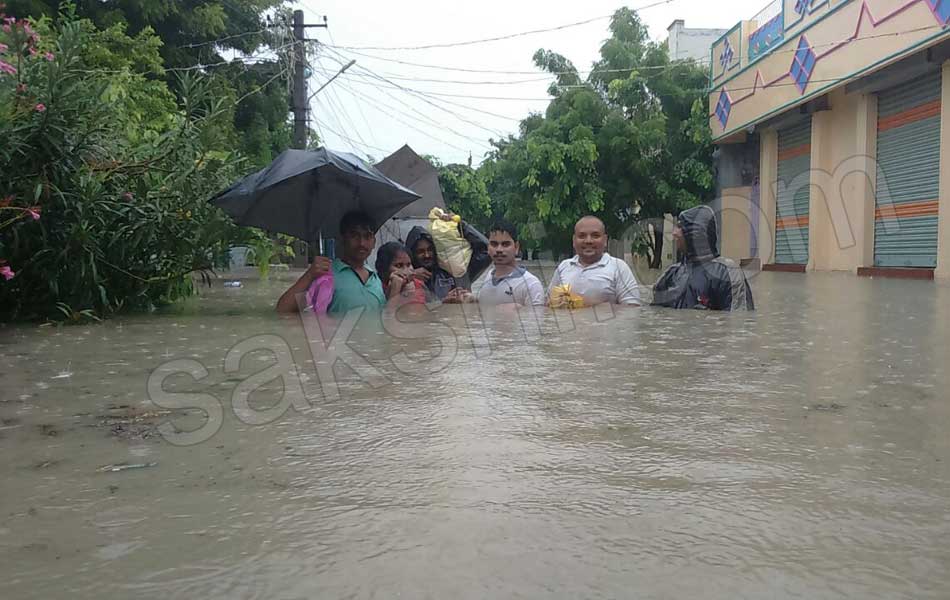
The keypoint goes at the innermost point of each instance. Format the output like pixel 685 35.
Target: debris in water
pixel 833 407
pixel 232 284
pixel 124 467
pixel 65 373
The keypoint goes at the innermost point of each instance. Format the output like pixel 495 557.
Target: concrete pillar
pixel 768 175
pixel 820 234
pixel 734 218
pixel 866 187
pixel 943 215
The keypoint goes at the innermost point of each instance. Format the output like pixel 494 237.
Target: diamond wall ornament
pixel 723 108
pixel 725 58
pixel 941 10
pixel 803 64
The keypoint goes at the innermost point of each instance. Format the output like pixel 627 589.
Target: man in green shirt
pixel 355 285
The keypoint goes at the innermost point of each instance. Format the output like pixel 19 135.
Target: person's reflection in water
pixel 702 279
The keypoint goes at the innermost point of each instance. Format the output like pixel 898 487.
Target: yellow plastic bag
pixel 453 249
pixel 563 297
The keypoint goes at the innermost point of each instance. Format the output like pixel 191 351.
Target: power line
pixel 501 37
pixel 422 97
pixel 261 87
pixel 224 39
pixel 375 84
pixel 432 121
pixel 440 95
pixel 704 60
pixel 252 59
pixel 642 68
pixel 425 93
pixel 334 99
pixel 428 122
pixel 345 137
pixel 359 107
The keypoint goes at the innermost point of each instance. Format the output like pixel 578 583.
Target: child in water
pixel 395 269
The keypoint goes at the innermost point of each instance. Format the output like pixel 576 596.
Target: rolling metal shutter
pixel 908 174
pixel 791 211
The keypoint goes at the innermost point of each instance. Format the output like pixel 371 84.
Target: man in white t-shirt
pixel 594 274
pixel 505 282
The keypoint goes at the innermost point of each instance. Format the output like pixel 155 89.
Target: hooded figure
pixel 702 279
pixel 442 281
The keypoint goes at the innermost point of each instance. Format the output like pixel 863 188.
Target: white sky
pixel 378 119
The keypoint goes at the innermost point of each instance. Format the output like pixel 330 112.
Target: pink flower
pixel 49 56
pixel 127 196
pixel 40 107
pixel 7 272
pixel 7 68
pixel 34 212
pixel 32 51
pixel 4 47
pixel 6 28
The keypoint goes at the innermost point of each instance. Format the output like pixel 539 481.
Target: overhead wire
pixel 673 66
pixel 224 39
pixel 346 138
pixel 333 100
pixel 500 37
pixel 422 96
pixel 366 80
pixel 387 111
pixel 359 107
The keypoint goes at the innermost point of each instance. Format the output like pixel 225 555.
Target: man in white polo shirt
pixel 505 282
pixel 594 274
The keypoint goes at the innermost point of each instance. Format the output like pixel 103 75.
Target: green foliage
pixel 154 33
pixel 630 142
pixel 264 249
pixel 466 194
pixel 116 172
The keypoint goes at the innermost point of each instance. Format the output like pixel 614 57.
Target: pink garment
pixel 320 293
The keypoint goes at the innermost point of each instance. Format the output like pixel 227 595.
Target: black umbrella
pixel 305 194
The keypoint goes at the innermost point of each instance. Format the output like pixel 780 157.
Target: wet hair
pixel 385 256
pixel 356 220
pixel 503 226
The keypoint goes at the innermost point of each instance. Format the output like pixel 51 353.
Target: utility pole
pixel 299 99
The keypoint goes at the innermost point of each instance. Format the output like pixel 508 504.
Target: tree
pixel 465 194
pixel 103 203
pixel 629 143
pixel 200 32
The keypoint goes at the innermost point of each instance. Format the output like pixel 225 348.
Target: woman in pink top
pixel 394 267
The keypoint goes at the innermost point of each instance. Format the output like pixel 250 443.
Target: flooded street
pixel 801 451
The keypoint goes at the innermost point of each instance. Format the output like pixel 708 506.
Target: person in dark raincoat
pixel 426 262
pixel 702 279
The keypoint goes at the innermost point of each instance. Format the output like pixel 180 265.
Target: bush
pixel 105 175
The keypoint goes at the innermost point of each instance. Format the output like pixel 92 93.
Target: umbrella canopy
pixel 305 194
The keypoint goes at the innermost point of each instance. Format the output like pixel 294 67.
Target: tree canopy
pixel 629 142
pixel 206 32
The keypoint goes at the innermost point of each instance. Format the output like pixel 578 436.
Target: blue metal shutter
pixel 908 174
pixel 791 211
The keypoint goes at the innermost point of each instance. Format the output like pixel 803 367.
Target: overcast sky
pixel 366 115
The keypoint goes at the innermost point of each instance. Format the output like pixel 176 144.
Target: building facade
pixel 690 43
pixel 831 122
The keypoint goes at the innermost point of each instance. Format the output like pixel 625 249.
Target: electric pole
pixel 299 98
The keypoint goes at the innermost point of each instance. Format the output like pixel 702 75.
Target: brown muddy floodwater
pixel 802 451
